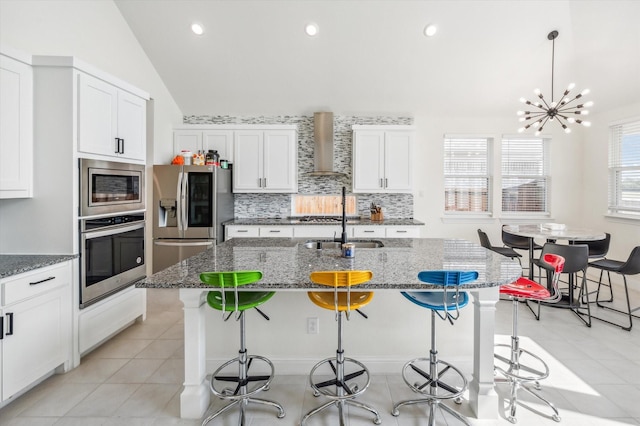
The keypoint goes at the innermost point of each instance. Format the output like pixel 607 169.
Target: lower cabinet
pixel 321 231
pixel 36 326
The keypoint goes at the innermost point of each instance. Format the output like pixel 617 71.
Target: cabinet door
pixel 132 125
pixel 368 164
pixel 16 130
pixel 248 156
pixel 97 117
pixel 219 140
pixel 37 343
pixel 280 161
pixel 397 161
pixel 190 140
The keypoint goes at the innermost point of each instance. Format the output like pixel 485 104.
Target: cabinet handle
pixel 121 146
pixel 42 281
pixel 1 328
pixel 367 231
pixel 10 324
pixel 117 151
pixel 400 231
pixel 242 230
pixel 274 230
pixel 381 186
pixel 264 182
pixel 259 182
pixel 386 182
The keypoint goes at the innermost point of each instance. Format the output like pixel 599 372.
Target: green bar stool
pixel 338 382
pixel 243 384
pixel 427 376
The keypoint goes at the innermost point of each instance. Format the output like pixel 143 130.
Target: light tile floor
pixel 135 379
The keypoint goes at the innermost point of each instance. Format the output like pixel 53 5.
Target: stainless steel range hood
pixel 323 145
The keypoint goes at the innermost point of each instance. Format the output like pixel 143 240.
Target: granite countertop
pixel 286 263
pixel 296 221
pixel 14 264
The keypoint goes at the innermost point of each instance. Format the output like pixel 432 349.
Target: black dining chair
pixel 598 249
pixel 576 262
pixel 629 267
pixel 517 242
pixel 505 251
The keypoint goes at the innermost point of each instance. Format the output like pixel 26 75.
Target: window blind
pixel 467 180
pixel 624 168
pixel 524 175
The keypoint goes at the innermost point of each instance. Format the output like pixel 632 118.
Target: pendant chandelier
pixel 563 112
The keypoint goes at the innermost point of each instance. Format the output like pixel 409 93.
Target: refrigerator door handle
pixel 185 198
pixel 180 243
pixel 179 204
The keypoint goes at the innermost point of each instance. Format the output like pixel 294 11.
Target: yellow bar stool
pixel 342 381
pixel 427 376
pixel 236 371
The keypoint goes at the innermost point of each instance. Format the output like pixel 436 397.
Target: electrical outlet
pixel 313 325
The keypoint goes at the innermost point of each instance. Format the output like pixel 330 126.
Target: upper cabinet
pixel 382 158
pixel 265 160
pixel 112 121
pixel 197 139
pixel 16 125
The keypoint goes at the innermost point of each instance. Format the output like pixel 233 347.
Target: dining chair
pixel 505 251
pixel 576 262
pixel 629 267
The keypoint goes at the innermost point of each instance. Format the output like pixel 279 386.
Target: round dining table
pixel 551 232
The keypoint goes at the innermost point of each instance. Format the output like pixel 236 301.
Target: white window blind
pixel 624 168
pixel 467 178
pixel 525 183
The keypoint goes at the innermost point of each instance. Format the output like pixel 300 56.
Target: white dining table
pixel 551 232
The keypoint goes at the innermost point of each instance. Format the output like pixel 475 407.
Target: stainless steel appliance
pixel 190 203
pixel 112 255
pixel 108 187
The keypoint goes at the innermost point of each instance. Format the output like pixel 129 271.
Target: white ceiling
pixel 371 57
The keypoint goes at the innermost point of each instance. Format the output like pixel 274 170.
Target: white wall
pixel 96 32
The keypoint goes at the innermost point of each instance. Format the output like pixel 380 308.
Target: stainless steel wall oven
pixel 111 255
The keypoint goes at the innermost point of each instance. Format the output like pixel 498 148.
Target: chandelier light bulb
pixel 567 130
pixel 571 86
pixel 571 120
pixel 588 104
pixel 537 92
pixel 520 113
pixel 523 100
pixel 586 123
pixel 585 92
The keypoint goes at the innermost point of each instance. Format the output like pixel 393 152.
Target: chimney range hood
pixel 323 145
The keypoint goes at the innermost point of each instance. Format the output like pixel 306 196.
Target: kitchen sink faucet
pixel 343 237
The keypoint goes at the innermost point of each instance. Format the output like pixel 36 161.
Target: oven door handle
pixel 112 230
pixel 183 244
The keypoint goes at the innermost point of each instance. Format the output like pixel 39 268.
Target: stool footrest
pixel 242 378
pixel 514 370
pixel 339 378
pixel 432 385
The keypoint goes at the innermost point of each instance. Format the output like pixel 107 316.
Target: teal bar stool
pixel 425 375
pixel 243 384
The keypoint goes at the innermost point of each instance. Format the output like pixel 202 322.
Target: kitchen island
pixel 286 264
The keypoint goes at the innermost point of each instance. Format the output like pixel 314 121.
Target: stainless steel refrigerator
pixel 190 203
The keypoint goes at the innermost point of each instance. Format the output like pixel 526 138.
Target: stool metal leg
pixel 344 395
pixel 241 395
pixel 518 375
pixel 433 383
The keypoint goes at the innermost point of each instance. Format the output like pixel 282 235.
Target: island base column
pixel 195 397
pixel 482 395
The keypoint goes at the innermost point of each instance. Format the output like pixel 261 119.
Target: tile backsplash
pixel 279 205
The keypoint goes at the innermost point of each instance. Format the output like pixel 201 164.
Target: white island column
pixel 195 397
pixel 482 395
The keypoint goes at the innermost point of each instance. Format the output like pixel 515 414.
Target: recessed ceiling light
pixel 197 29
pixel 311 29
pixel 430 30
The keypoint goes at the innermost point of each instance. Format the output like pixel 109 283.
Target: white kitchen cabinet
pixel 369 231
pixel 203 140
pixel 320 231
pixel 254 231
pixel 276 231
pixel 402 232
pixel 36 326
pixel 16 125
pixel 266 160
pixel 382 159
pixel 111 121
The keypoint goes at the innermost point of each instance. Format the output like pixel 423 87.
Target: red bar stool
pixel 523 366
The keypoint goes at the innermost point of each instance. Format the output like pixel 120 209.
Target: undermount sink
pixel 319 244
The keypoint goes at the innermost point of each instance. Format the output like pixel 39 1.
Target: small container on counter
pixel 187 155
pixel 348 250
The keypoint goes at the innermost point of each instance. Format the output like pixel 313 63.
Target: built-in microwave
pixel 108 187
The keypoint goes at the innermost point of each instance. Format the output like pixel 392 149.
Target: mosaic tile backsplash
pixel 397 206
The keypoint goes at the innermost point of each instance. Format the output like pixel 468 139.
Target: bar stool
pixel 517 371
pixel 246 385
pixel 446 304
pixel 336 384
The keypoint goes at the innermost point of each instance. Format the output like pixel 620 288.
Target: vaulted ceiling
pixel 371 57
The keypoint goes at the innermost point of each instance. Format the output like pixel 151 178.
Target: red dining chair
pixel 522 366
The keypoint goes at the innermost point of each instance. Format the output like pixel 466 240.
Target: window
pixel 624 168
pixel 467 181
pixel 525 183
